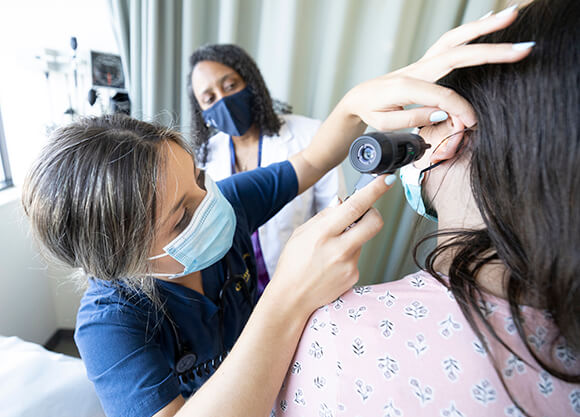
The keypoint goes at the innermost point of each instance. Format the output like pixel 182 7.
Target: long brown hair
pixel 91 196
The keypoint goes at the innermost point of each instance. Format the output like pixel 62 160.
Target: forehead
pixel 208 73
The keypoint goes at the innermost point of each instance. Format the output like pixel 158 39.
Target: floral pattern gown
pixel 404 348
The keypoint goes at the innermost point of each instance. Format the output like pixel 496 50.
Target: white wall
pixel 67 293
pixel 34 299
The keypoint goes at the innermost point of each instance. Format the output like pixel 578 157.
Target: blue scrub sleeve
pixel 128 369
pixel 262 192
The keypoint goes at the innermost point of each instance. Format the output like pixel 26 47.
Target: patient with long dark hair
pixel 490 325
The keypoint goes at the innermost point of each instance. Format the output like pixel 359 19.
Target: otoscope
pixel 379 153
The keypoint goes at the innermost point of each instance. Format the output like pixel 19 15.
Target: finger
pixel 437 67
pixel 352 209
pixel 362 231
pixel 473 30
pixel 403 119
pixel 414 91
pixel 355 273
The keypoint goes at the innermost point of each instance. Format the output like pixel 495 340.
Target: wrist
pixel 289 305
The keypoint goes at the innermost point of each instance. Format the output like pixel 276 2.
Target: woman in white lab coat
pixel 229 97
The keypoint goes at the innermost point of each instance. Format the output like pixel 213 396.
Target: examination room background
pixel 311 52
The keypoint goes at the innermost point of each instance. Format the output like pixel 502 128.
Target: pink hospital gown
pixel 405 349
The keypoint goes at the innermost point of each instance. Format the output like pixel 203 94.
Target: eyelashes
pixel 231 85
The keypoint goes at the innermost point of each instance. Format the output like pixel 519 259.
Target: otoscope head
pixel 382 152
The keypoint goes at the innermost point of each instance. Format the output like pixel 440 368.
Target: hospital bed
pixel 37 382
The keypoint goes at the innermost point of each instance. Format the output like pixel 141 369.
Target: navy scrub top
pixel 128 346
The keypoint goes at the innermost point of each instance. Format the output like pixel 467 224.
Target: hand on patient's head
pixel 414 84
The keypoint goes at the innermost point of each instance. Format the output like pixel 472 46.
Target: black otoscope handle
pixel 379 153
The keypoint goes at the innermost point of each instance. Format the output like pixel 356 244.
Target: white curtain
pixel 311 52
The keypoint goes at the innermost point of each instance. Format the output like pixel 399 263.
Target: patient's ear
pixel 453 131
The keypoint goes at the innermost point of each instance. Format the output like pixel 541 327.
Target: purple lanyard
pixel 263 276
pixel 233 154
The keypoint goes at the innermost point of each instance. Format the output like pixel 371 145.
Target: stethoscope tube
pixel 186 367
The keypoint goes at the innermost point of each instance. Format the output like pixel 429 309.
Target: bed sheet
pixel 37 382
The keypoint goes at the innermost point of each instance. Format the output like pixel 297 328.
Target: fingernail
pixel 522 46
pixel 438 116
pixel 485 16
pixel 390 179
pixel 507 11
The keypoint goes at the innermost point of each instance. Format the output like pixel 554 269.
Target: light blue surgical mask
pixel 207 238
pixel 411 178
pixel 232 114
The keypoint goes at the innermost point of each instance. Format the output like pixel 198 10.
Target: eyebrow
pixel 221 80
pixel 173 210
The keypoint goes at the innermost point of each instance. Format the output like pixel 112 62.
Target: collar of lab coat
pixel 274 149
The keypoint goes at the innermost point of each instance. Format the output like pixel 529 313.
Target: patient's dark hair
pixel 91 196
pixel 525 175
pixel 263 108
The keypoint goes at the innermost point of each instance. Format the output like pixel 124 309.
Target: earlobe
pixel 453 134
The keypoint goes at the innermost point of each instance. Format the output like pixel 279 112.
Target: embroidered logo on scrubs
pixel 246 274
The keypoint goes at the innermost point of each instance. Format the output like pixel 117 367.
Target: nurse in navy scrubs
pixel 167 251
pixel 171 295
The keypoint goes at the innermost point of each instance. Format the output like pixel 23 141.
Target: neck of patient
pixel 457 210
pixel 491 278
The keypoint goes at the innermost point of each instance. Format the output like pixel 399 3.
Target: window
pixel 5 176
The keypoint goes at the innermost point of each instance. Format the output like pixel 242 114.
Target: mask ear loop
pixel 430 167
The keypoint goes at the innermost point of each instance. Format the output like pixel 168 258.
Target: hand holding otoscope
pixel 379 153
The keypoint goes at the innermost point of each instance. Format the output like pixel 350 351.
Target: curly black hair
pixel 263 108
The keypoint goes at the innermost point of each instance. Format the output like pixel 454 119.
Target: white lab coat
pixel 295 134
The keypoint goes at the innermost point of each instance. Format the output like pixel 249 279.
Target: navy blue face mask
pixel 232 114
